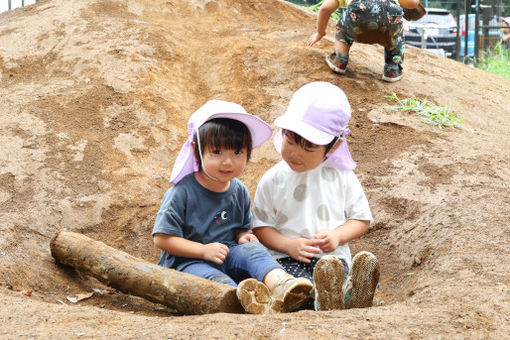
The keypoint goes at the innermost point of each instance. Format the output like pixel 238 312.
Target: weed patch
pixel 432 114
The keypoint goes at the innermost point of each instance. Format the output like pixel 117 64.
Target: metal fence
pixel 478 26
pixel 13 4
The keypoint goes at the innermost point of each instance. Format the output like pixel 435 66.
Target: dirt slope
pixel 94 100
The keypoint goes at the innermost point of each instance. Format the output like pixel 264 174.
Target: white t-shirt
pixel 297 204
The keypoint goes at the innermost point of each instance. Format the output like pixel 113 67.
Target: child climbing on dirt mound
pixel 371 22
pixel 203 225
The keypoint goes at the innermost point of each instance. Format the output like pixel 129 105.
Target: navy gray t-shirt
pixel 197 214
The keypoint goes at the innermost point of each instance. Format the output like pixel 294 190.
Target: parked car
pixel 494 34
pixel 435 31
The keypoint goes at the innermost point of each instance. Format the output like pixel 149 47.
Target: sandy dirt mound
pixel 94 100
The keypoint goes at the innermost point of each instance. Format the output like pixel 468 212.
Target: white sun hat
pixel 186 162
pixel 319 112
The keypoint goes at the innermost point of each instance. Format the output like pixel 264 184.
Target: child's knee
pixel 251 248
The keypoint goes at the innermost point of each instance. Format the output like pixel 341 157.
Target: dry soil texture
pixel 94 100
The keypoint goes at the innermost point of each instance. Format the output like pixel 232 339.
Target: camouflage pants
pixel 374 22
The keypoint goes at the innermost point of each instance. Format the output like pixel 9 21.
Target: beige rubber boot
pixel 256 298
pixel 293 292
pixel 328 276
pixel 362 281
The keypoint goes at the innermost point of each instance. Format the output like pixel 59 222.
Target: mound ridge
pixel 94 100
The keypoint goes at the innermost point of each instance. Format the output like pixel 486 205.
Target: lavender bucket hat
pixel 319 112
pixel 186 162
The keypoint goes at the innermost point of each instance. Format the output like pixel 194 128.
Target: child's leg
pixel 394 50
pixel 293 292
pixel 209 272
pixel 329 274
pixel 394 53
pixel 256 298
pixel 338 61
pixel 250 259
pixel 342 47
pixel 359 288
pixel 293 286
pixel 393 59
pixel 254 259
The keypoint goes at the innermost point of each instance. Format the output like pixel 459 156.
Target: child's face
pixel 224 164
pixel 505 30
pixel 301 158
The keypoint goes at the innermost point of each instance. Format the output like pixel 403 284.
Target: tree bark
pixel 184 292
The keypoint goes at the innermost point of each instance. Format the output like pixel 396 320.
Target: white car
pixel 435 31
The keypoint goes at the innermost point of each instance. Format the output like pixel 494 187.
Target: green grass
pixel 496 60
pixel 432 114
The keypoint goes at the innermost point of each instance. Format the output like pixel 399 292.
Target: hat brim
pixel 310 133
pixel 260 131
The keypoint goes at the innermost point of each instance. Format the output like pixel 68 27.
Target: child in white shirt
pixel 311 204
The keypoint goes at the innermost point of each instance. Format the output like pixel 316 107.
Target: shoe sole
pixel 333 67
pixel 363 280
pixel 255 298
pixel 297 296
pixel 391 80
pixel 328 276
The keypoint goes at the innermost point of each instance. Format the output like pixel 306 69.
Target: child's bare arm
pixel 409 4
pixel 300 249
pixel 327 8
pixel 178 246
pixel 352 229
pixel 246 236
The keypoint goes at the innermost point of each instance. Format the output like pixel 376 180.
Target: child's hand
pixel 314 38
pixel 215 252
pixel 246 237
pixel 303 249
pixel 330 239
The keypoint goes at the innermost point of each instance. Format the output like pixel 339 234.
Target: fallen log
pixel 184 292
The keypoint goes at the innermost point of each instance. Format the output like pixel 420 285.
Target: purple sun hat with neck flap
pixel 186 162
pixel 319 112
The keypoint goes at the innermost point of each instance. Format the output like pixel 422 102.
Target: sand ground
pixel 94 100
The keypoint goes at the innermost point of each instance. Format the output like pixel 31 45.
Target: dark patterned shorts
pixel 301 269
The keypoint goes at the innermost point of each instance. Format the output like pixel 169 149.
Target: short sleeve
pixel 356 203
pixel 263 212
pixel 171 214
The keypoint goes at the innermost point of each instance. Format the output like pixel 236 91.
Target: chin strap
pixel 338 140
pixel 202 159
